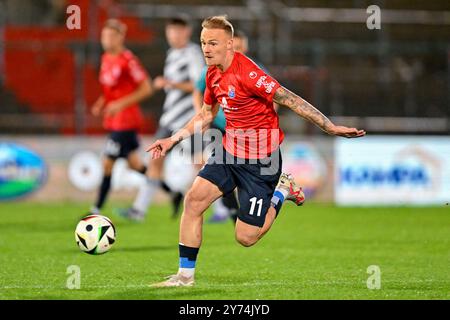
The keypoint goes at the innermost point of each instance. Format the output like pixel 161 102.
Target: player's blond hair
pixel 116 25
pixel 219 22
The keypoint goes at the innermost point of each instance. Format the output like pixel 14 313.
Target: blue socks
pixel 188 257
pixel 278 198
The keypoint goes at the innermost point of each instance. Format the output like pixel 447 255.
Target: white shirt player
pixel 181 65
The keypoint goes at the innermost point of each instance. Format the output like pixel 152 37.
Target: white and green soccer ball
pixel 95 234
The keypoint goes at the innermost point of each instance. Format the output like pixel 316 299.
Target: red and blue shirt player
pixel 250 159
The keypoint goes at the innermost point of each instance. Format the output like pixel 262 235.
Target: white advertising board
pixel 392 170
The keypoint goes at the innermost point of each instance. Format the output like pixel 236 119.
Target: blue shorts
pixel 255 181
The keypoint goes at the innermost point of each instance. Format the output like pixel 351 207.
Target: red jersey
pixel 119 76
pixel 245 93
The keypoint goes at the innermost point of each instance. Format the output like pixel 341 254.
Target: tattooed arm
pixel 305 110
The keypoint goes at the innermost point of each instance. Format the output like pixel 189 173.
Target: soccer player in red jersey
pixel 250 159
pixel 125 83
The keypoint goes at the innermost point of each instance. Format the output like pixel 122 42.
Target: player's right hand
pixel 159 82
pixel 160 147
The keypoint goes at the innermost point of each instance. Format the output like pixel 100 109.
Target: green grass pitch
pixel 313 252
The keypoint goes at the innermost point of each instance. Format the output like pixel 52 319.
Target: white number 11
pixel 254 202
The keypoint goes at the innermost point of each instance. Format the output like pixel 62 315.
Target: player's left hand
pixel 347 132
pixel 112 108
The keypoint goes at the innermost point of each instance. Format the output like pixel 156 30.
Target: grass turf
pixel 314 252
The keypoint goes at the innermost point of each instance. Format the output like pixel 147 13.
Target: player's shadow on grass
pixel 145 248
pixel 129 249
pixel 148 293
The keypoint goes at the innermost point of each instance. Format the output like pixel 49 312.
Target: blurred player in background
pixel 183 67
pixel 125 83
pixel 246 93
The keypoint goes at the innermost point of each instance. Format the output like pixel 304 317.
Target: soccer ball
pixel 95 234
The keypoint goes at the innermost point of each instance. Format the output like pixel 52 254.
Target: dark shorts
pixel 255 181
pixel 121 143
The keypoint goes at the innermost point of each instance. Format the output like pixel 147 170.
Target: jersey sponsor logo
pixel 268 85
pixel 252 75
pixel 231 92
pixel 261 81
